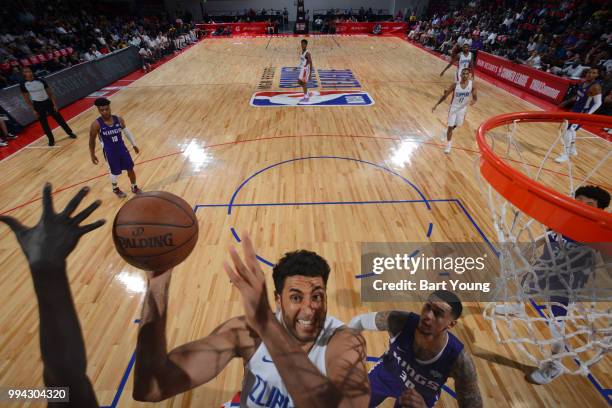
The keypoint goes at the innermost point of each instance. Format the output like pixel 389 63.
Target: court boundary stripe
pixel 216 145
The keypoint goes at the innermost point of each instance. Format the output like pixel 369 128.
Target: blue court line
pixel 365 275
pixel 429 230
pixel 229 209
pixel 441 200
pixel 235 234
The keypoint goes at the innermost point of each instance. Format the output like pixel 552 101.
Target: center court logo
pixel 323 98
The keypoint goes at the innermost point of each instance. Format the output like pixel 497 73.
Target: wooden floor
pixel 200 139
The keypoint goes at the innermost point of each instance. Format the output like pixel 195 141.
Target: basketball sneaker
pixel 136 190
pixel 563 158
pixel 547 373
pixel 119 193
pixel 448 147
pixel 3 143
pixel 11 136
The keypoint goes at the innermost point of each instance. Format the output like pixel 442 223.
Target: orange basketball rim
pixel 559 212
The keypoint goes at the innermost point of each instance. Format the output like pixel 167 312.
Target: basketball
pixel 155 231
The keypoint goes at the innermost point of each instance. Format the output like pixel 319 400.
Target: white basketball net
pixel 540 275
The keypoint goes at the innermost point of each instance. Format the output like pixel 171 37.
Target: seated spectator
pixel 534 60
pixel 147 58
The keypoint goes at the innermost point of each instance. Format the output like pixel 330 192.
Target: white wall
pixel 237 5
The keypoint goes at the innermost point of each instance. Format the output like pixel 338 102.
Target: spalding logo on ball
pixel 155 231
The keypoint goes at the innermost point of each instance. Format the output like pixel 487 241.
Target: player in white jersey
pixel 462 91
pixel 463 59
pixel 298 357
pixel 305 69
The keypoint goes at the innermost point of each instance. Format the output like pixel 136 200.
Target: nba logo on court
pixel 322 98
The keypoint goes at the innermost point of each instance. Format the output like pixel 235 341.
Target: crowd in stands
pixel 563 37
pixel 325 22
pixel 52 35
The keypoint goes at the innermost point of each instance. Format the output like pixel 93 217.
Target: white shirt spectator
pixel 532 46
pixel 61 30
pixel 534 61
pixel 508 21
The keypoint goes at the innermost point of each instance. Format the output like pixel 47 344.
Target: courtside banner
pixel 237 28
pixel 542 84
pixel 74 83
pixel 318 98
pixel 368 28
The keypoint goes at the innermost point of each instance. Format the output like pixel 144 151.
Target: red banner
pixel 368 28
pixel 545 86
pixel 237 28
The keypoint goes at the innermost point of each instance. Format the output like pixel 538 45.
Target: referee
pixel 40 99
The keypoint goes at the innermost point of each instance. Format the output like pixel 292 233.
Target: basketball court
pixel 364 165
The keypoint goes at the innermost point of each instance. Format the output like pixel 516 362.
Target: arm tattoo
pixel 466 382
pixel 391 321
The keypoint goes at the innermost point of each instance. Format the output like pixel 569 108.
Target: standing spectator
pixel 39 97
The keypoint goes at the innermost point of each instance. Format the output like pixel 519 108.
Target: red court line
pixel 397 139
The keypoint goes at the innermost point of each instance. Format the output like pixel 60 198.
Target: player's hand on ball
pixel 412 399
pixel 136 149
pixel 251 282
pixel 51 240
pixel 94 159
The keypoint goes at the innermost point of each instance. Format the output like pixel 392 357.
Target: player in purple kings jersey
pixel 563 269
pixel 108 129
pixel 587 100
pixel 422 354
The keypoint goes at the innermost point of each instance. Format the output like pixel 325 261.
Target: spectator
pixel 534 60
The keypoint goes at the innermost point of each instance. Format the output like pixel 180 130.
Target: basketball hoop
pixel 553 250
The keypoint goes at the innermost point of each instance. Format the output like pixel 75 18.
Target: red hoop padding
pixel 561 213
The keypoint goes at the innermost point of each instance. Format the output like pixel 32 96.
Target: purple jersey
pixel 583 101
pixel 399 368
pixel 110 136
pixel 115 151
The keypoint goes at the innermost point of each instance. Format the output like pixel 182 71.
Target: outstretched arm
pixel 158 374
pixel 392 321
pixel 46 247
pixel 447 92
pixel 466 382
pixel 452 61
pixel 346 383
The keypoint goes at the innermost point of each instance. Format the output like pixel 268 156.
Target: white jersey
pixel 263 386
pixel 303 60
pixel 461 96
pixel 464 62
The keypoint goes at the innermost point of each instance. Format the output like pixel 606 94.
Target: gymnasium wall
pixel 195 6
pixel 74 83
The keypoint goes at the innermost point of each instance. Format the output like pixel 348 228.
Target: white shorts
pixel 456 116
pixel 304 74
